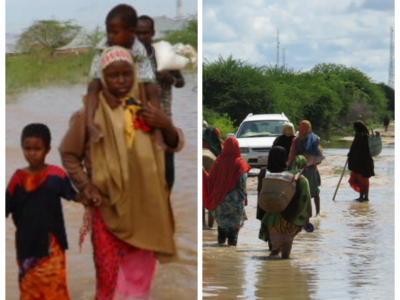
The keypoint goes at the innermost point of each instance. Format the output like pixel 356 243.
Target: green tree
pixel 45 36
pixel 389 94
pixel 237 88
pixel 221 121
pixel 95 36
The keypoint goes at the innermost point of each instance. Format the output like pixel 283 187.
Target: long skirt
pixel 357 182
pixel 282 233
pixel 230 214
pixel 123 272
pixel 45 278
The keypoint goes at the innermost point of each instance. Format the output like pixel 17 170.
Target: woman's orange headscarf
pixel 224 175
pixel 304 129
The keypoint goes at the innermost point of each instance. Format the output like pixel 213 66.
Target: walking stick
pixel 344 169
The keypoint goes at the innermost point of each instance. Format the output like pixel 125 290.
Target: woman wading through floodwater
pixel 307 144
pixel 279 229
pixel 224 191
pixel 361 163
pixel 124 179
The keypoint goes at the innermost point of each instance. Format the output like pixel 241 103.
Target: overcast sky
pixel 355 33
pixel 20 14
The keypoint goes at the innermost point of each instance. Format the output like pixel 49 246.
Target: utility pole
pixel 283 58
pixel 391 62
pixel 179 9
pixel 277 50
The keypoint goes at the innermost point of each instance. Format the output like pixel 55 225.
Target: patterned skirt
pixel 45 278
pixel 282 233
pixel 122 271
pixel 358 182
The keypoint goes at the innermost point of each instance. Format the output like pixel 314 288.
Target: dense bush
pixel 221 121
pixel 329 95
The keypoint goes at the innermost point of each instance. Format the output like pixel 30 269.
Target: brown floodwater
pixel 54 106
pixel 350 255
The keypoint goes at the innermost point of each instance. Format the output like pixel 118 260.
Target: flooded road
pixel 54 106
pixel 350 254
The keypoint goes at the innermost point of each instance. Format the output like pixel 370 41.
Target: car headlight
pixel 244 150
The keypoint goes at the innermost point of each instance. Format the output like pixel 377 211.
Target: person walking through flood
pixel 224 191
pixel 279 229
pixel 167 79
pixel 285 140
pixel 124 179
pixel 211 141
pixel 361 163
pixel 386 122
pixel 307 144
pixel 33 198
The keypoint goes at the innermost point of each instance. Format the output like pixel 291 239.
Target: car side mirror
pixel 230 135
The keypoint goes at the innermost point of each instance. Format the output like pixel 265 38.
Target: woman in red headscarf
pixel 224 191
pixel 307 144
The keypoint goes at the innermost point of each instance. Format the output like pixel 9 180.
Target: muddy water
pixel 54 106
pixel 350 255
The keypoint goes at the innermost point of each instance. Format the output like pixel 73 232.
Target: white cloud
pixel 352 32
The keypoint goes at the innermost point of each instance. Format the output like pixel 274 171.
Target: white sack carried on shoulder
pixel 166 57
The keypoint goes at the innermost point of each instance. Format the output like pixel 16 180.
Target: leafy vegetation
pixel 94 37
pixel 45 36
pixel 26 71
pixel 38 67
pixel 330 96
pixel 221 121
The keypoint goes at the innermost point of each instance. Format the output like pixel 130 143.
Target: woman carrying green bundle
pixel 281 228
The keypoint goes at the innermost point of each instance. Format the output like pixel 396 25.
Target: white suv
pixel 256 134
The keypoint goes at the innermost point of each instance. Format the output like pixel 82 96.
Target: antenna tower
pixel 277 50
pixel 179 9
pixel 283 58
pixel 391 63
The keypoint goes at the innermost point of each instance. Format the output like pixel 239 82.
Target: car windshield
pixel 261 128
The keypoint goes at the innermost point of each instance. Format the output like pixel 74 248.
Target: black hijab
pixel 284 141
pixel 360 160
pixel 211 136
pixel 277 159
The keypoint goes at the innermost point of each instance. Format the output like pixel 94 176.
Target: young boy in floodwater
pixel 166 78
pixel 33 198
pixel 121 24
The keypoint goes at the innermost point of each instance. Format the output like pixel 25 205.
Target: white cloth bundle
pixel 167 58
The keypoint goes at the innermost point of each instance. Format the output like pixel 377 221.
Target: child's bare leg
pixel 286 249
pixel 150 92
